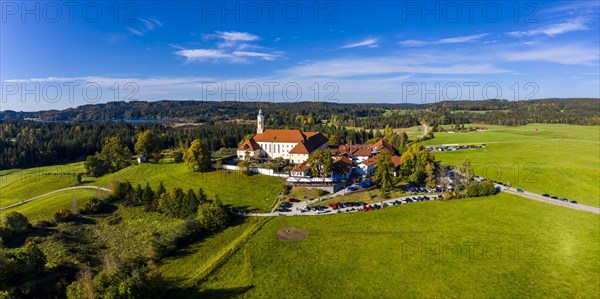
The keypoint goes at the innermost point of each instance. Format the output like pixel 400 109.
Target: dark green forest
pixel 30 139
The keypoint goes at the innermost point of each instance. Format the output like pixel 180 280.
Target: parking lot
pixel 301 208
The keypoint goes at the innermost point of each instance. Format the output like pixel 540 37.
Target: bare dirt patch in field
pixel 291 234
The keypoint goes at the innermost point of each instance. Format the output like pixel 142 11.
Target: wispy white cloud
pixel 391 64
pixel 202 54
pixel 461 39
pixel 412 43
pixel 229 39
pixel 574 7
pixel 568 55
pixel 216 55
pixel 263 56
pixel 146 25
pixel 369 42
pixel 232 47
pixel 450 40
pixel 577 24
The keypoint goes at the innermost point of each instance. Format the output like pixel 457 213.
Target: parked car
pixel 554 197
pixel 520 190
pixel 564 199
pixel 293 200
pixel 574 201
pixel 546 195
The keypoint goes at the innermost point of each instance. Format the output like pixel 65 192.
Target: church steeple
pixel 260 122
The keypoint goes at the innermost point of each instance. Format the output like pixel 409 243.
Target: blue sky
pixel 56 55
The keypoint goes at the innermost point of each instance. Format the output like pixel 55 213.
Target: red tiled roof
pixel 370 161
pixel 307 142
pixel 290 136
pixel 300 168
pixel 343 160
pixel 302 148
pixel 249 145
pixel 309 145
pixel 342 164
pixel 362 152
pixel 396 161
pixel 381 144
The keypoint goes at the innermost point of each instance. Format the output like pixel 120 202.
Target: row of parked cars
pixel 556 197
pixel 353 206
pixel 415 189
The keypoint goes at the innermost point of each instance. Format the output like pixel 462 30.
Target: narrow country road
pixel 425 129
pixel 53 192
pixel 541 198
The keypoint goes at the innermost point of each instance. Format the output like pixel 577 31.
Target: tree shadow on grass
pixel 188 249
pixel 195 292
pixel 242 209
pixel 20 240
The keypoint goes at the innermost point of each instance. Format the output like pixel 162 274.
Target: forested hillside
pixel 49 137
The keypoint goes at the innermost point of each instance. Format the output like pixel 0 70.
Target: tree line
pixel 31 143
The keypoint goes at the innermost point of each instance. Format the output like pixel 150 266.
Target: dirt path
pixel 53 192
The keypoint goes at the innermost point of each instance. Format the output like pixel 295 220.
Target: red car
pixel 293 200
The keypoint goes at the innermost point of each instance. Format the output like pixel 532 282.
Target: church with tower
pixel 293 145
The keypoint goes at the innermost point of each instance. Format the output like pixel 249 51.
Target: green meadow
pixel 233 188
pixel 501 246
pixel 561 160
pixel 120 231
pixel 21 184
pixel 44 207
pixel 255 192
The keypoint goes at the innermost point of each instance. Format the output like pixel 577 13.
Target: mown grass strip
pixel 223 255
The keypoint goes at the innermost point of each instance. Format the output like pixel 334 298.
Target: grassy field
pixel 20 184
pixel 303 194
pixel 120 232
pixel 44 208
pixel 502 246
pixel 233 188
pixel 562 160
pixel 193 264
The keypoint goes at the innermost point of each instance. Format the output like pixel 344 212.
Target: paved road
pixel 425 130
pixel 53 192
pixel 557 202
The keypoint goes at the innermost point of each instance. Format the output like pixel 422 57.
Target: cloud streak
pixel 369 42
pixel 567 55
pixel 232 46
pixel 451 40
pixel 577 24
pixel 146 25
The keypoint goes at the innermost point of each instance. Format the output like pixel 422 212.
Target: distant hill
pixel 200 112
pixel 188 111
